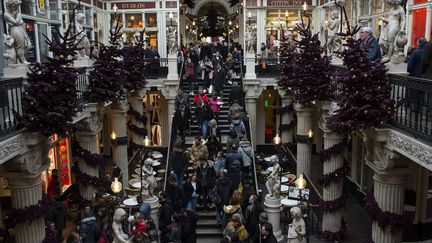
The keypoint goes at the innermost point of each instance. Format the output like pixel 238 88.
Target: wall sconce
pixel 146 141
pixel 171 16
pixel 310 133
pixel 277 140
pixel 116 186
pixel 300 183
pixel 113 135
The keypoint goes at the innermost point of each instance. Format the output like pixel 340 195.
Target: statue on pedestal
pixel 393 26
pixel 273 180
pixel 250 43
pixel 81 38
pixel 149 181
pixel 17 31
pixel 119 235
pixel 172 39
pixel 297 228
pixel 9 52
pixel 334 42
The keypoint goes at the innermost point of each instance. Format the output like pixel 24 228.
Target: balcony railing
pixel 81 83
pixel 413 97
pixel 10 102
pixel 267 67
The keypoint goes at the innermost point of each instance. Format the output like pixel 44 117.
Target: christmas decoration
pixel 136 115
pixel 50 235
pixel 50 98
pixel 15 216
pixel 85 179
pixel 137 130
pixel 335 149
pixel 95 160
pixel 335 176
pixel 337 236
pixel 287 127
pixel 385 220
pixel 108 75
pixel 308 73
pixel 134 65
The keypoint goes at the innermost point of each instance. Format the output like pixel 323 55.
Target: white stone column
pixel 172 67
pixel 389 192
pixel 304 145
pixel 287 118
pixel 154 206
pixel 88 141
pixel 332 220
pixel 137 104
pixel 272 207
pixel 171 104
pixel 250 66
pixel 251 111
pixel 119 147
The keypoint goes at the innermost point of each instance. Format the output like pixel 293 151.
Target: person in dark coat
pixel 234 173
pixel 252 219
pixel 88 228
pixel 370 43
pixel 232 155
pixel 237 93
pixel 178 162
pixel 267 234
pixel 222 188
pixel 415 59
pixel 53 184
pixel 219 79
pixel 426 65
pixel 192 190
pixel 181 121
pixel 206 176
pixel 175 194
pixel 213 146
pixel 224 50
pixel 188 233
pixel 165 213
pixel 58 216
pixel 207 115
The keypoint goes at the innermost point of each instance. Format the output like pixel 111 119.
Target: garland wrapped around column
pixel 95 160
pixel 289 126
pixel 134 128
pixel 86 179
pixel 28 214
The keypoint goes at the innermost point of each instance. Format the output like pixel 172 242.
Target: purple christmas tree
pixel 50 98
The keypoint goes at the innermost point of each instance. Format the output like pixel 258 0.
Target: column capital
pixel 252 88
pixel 326 109
pixel 303 110
pixel 169 89
pixel 120 106
pixel 32 159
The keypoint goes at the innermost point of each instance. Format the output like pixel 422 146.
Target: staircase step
pixel 216 232
pixel 208 239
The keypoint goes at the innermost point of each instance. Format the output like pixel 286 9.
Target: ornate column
pixel 24 178
pixel 389 184
pixel 172 67
pixel 304 143
pixel 169 91
pixel 253 90
pixel 286 127
pixel 136 102
pixel 250 66
pixel 272 207
pixel 119 148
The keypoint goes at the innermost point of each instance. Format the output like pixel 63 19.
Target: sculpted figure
pixel 334 42
pixel 249 41
pixel 297 228
pixel 119 235
pixel 16 30
pixel 149 179
pixel 172 40
pixel 82 38
pixel 392 27
pixel 273 180
pixel 9 52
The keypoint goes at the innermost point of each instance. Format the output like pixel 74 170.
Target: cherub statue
pixel 9 52
pixel 334 42
pixel 249 38
pixel 392 26
pixel 297 228
pixel 17 30
pixel 148 177
pixel 82 39
pixel 172 39
pixel 273 180
pixel 119 235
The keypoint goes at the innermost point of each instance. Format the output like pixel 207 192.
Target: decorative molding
pixel 411 148
pixel 11 148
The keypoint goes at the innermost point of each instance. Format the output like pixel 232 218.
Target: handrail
pixel 132 162
pixel 253 158
pixel 11 91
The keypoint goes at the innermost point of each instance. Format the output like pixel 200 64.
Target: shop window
pixel 278 24
pixel 150 20
pixel 53 9
pixel 152 108
pixel 418 25
pixel 116 18
pixel 419 1
pixel 88 16
pixel 151 37
pixel 41 8
pixel 271 105
pixel 43 46
pixel 134 21
pixel 377 8
pixel 59 156
pixel 364 7
pixel 27 7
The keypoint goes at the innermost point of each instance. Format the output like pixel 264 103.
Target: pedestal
pixel 304 144
pixel 89 142
pixel 83 62
pixel 16 70
pixel 172 67
pixel 272 206
pixel 332 220
pixel 389 192
pixel 336 61
pixel 119 147
pixel 400 68
pixel 250 66
pixel 26 190
pixel 154 205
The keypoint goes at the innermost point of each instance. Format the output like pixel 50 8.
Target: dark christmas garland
pixel 326 154
pixel 50 235
pixel 368 236
pixel 135 146
pixel 89 158
pixel 27 214
pixel 396 222
pixel 335 176
pixel 287 127
pixel 333 205
pixel 86 179
pixel 285 109
pixel 136 115
pixel 137 130
pixel 337 236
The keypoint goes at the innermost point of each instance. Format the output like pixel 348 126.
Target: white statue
pixel 148 179
pixel 82 39
pixel 391 28
pixel 398 54
pixel 9 52
pixel 249 38
pixel 334 42
pixel 297 228
pixel 119 235
pixel 273 180
pixel 17 31
pixel 172 39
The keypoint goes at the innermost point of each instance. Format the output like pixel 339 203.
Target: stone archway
pixel 203 3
